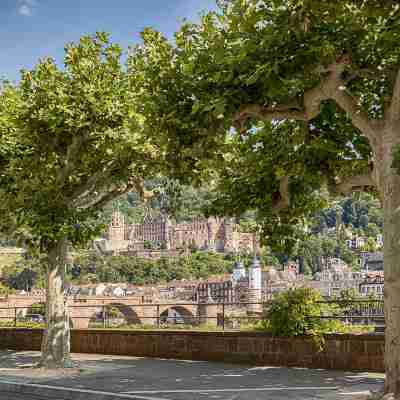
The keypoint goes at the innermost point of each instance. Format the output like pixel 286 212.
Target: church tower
pixel 255 286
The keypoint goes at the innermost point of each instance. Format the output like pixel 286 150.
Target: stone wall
pixel 346 352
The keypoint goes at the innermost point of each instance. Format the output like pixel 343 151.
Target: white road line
pixel 84 391
pixel 365 392
pixel 261 389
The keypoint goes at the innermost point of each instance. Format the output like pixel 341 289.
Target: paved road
pixel 154 379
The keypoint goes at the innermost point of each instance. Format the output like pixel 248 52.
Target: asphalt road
pixel 154 379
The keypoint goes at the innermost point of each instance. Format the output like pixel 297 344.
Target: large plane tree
pixel 319 82
pixel 71 140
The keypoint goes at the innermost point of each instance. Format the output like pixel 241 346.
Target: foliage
pixel 294 312
pixel 82 129
pixel 356 212
pixel 5 290
pixel 167 196
pixel 298 312
pixel 22 324
pixel 72 139
pixel 24 274
pixel 146 271
pixel 268 54
pixel 113 312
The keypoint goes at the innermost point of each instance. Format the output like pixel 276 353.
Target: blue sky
pixel 31 29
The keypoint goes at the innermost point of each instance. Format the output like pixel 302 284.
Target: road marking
pixel 83 391
pixel 262 389
pixel 365 392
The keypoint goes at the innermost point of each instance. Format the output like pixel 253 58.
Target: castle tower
pixel 230 235
pixel 167 233
pixel 255 286
pixel 255 243
pixel 116 230
pixel 212 227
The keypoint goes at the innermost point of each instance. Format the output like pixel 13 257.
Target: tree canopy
pixel 297 81
pixel 319 83
pixel 72 139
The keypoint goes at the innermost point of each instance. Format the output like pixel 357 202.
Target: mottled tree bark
pixel 56 339
pixel 390 193
pixel 392 294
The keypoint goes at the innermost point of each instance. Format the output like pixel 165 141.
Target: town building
pixel 275 281
pixel 218 289
pixel 239 287
pixel 356 242
pixel 334 279
pixel 371 261
pixel 373 285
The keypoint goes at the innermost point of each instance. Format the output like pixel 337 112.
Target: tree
pixel 147 271
pixel 72 139
pixel 311 89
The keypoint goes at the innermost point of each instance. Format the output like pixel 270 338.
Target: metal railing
pixel 223 315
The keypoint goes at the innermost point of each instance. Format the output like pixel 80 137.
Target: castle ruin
pixel 213 234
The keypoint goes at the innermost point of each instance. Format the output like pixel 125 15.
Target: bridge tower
pixel 239 271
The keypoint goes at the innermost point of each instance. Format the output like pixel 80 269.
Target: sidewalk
pixel 116 377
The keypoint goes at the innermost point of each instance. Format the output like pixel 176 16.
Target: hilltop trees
pixel 72 139
pixel 140 271
pixel 312 87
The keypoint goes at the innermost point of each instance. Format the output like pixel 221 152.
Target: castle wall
pixel 214 233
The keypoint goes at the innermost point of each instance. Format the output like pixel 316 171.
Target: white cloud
pixel 26 7
pixel 25 10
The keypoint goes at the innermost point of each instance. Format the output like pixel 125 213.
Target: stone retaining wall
pixel 346 352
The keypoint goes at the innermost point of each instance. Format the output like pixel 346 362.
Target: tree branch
pixel 311 108
pixel 71 157
pixel 85 188
pixel 332 87
pixel 268 113
pixel 281 199
pixel 358 117
pixel 361 73
pixel 103 198
pixel 394 109
pixel 354 183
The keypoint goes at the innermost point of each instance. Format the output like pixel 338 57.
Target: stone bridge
pixel 86 310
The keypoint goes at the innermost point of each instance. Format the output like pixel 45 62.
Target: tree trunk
pixel 390 195
pixel 56 338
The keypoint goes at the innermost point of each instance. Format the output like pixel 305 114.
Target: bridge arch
pixel 176 314
pixel 115 314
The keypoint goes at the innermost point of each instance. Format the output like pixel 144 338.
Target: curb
pixel 63 393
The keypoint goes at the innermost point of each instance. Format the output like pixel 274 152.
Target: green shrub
pixel 294 312
pixel 298 312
